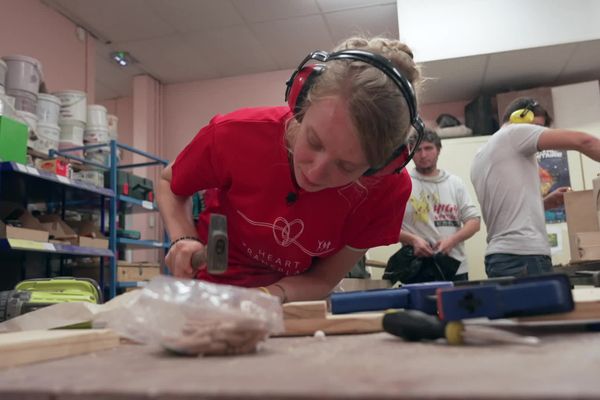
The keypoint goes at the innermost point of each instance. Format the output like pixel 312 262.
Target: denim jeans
pixel 498 265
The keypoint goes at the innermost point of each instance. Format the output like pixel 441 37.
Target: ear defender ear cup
pixel 299 85
pixel 398 161
pixel 522 116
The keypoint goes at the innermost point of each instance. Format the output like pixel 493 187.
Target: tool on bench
pixel 493 298
pixel 32 294
pixel 418 296
pixel 414 325
pixel 215 254
pixel 535 295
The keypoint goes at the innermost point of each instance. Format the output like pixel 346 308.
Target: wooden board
pixel 335 324
pixel 27 347
pixel 585 311
pixel 304 318
pixel 305 309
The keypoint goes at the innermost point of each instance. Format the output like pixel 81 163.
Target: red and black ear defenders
pixel 305 75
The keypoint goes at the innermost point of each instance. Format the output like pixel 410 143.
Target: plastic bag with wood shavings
pixel 193 317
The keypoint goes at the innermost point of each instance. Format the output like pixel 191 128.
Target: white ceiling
pixel 186 40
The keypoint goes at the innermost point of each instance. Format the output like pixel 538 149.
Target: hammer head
pixel 217 246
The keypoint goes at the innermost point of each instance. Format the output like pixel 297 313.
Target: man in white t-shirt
pixel 506 180
pixel 440 215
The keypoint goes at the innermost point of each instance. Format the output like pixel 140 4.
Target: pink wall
pixel 30 28
pixel 190 106
pixel 122 107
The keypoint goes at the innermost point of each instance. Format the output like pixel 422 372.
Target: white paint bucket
pixel 31 120
pixel 48 131
pixel 24 100
pixel 24 73
pixel 48 136
pixel 3 69
pixel 99 156
pixel 72 131
pixel 73 105
pixel 96 116
pixel 113 122
pixel 95 135
pixel 48 108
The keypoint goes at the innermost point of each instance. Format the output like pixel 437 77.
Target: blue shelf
pixel 55 248
pixel 142 244
pixel 47 179
pixel 131 284
pixel 132 205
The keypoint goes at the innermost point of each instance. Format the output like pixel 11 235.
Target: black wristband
pixel 179 239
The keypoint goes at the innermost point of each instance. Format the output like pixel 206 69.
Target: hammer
pixel 215 253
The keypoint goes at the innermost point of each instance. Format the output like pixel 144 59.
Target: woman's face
pixel 327 152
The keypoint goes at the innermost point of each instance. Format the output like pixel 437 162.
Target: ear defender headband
pixel 524 115
pixel 305 75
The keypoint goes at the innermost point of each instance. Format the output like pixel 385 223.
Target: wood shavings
pixel 217 337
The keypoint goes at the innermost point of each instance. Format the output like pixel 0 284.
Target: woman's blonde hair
pixel 377 107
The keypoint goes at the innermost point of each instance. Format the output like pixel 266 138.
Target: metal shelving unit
pixel 21 184
pixel 119 202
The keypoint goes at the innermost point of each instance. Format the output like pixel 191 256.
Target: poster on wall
pixel 554 173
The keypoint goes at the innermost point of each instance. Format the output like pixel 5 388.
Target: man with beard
pixel 440 215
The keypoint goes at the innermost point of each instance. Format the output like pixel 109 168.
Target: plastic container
pixel 31 120
pixel 24 100
pixel 23 73
pixel 100 156
pixel 72 131
pixel 96 116
pixel 73 105
pixel 113 123
pixel 95 135
pixel 48 131
pixel 48 136
pixel 3 69
pixel 48 108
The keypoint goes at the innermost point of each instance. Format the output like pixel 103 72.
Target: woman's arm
pixel 318 282
pixel 176 212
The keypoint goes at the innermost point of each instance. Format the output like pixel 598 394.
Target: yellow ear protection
pixel 305 75
pixel 524 115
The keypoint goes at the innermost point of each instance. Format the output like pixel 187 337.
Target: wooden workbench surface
pixel 339 367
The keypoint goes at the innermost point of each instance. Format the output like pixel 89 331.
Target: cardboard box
pixel 30 228
pixel 89 235
pixel 581 217
pixel 57 228
pixel 133 272
pixel 13 140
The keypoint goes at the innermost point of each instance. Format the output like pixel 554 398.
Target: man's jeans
pixel 498 265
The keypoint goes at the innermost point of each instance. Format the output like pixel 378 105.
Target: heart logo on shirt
pixel 286 233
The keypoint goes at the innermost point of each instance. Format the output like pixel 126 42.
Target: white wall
pixel 440 29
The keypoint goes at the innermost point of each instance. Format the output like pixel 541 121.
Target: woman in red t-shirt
pixel 307 188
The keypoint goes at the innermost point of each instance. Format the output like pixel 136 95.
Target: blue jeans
pixel 498 265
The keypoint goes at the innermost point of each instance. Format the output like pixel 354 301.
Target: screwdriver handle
pixel 413 325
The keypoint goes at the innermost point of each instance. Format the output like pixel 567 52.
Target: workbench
pixel 371 366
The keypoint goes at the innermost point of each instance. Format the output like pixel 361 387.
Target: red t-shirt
pixel 244 157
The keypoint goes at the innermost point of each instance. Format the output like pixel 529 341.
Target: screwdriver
pixel 414 325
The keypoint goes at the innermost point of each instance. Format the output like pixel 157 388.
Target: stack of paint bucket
pixel 22 82
pixel 48 131
pixel 3 69
pixel 72 119
pixel 96 132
